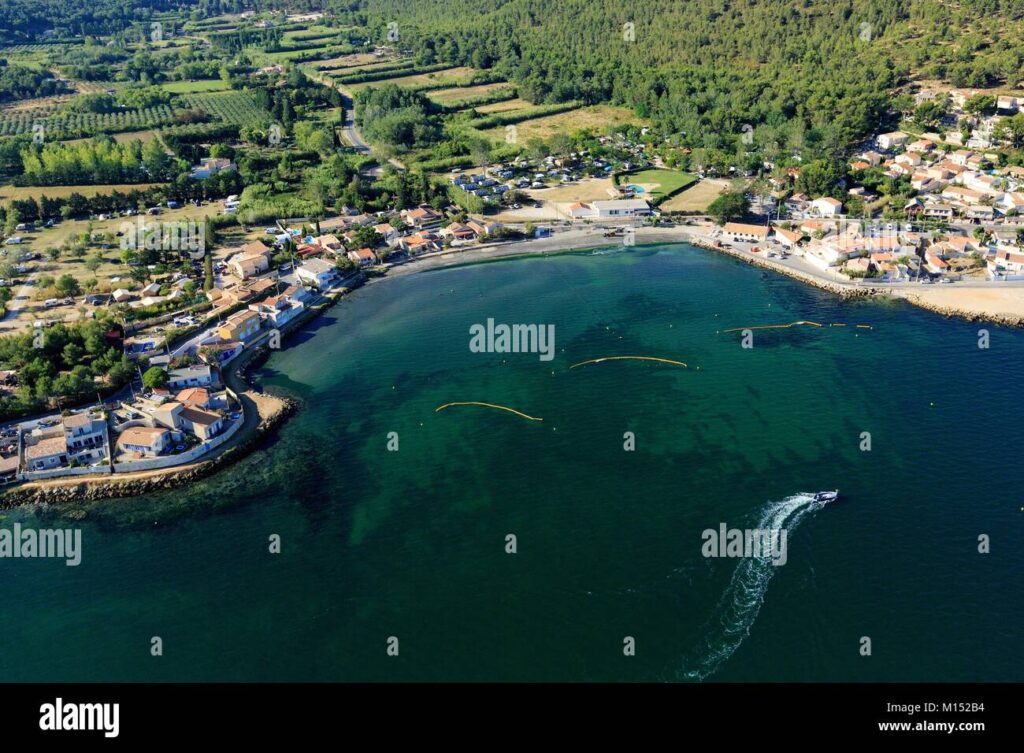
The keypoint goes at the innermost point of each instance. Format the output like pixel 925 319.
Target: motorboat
pixel 826 496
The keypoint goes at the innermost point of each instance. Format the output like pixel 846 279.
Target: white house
pixel 1008 263
pixel 1012 200
pixel 318 273
pixel 146 441
pixel 892 140
pixel 203 423
pixel 788 238
pixel 190 376
pixel 278 309
pixel 209 166
pixel 826 207
pixel 579 211
pixel 85 436
pixel 1009 104
pixel 48 453
pixel 934 264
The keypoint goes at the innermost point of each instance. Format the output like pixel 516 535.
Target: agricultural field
pixel 697 197
pixel 7 193
pixel 284 55
pixel 231 107
pixel 311 34
pixel 657 183
pixel 376 65
pixel 507 106
pixel 190 87
pixel 94 87
pixel 356 60
pixel 454 77
pixel 594 117
pixel 83 125
pixel 457 94
pixel 36 106
pixel 30 55
pixel 122 138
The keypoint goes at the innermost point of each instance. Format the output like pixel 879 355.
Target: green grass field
pixel 658 184
pixel 190 87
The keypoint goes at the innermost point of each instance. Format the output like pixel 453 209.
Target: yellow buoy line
pixel 630 358
pixel 488 405
pixel 794 324
pixel 773 326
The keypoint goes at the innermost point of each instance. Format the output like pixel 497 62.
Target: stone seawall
pixel 850 291
pixel 839 289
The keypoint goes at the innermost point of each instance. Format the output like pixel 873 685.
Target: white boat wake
pixel 736 611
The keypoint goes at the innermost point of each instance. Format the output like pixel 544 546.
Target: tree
pixel 93 262
pixel 154 378
pixel 728 206
pixel 821 177
pixel 1013 128
pixel 981 104
pixel 67 286
pixel 208 278
pixel 929 113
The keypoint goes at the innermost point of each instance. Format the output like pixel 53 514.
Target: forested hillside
pixel 802 76
pixel 810 75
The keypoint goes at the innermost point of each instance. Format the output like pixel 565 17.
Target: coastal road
pixel 349 131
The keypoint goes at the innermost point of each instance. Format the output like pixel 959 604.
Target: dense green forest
pixel 809 76
pixel 19 82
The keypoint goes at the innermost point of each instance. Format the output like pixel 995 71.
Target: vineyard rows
pixel 79 125
pixel 237 108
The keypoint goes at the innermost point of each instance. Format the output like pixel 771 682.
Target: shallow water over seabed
pixel 413 543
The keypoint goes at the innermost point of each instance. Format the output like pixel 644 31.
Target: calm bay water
pixel 412 543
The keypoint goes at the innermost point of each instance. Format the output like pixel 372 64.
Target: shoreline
pixel 271 411
pixel 972 302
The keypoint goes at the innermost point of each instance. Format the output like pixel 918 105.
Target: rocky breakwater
pixel 845 290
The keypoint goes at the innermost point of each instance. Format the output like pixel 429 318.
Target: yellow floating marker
pixel 629 358
pixel 864 326
pixel 488 405
pixel 774 326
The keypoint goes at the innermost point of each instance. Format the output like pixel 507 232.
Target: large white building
pixel 617 208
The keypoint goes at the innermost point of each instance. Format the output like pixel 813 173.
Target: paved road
pixel 348 130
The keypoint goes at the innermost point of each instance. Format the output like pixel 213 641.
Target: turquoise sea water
pixel 412 543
